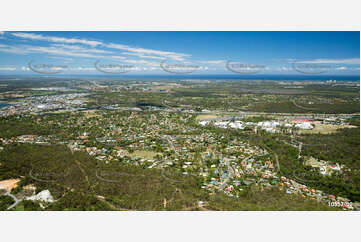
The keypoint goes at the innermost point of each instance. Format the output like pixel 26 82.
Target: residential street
pixel 229 175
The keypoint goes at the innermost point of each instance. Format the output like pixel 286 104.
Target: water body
pixel 235 77
pixel 3 105
pixel 251 77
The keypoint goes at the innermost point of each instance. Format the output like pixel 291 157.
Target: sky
pixel 165 52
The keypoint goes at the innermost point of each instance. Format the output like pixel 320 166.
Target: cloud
pixel 80 68
pixel 216 62
pixel 62 58
pixel 25 68
pixel 117 57
pixel 283 68
pixel 6 68
pixel 149 52
pixel 60 51
pixel 342 68
pixel 40 37
pixel 142 62
pixel 56 49
pixel 350 61
pixel 144 56
pixel 13 49
pixel 140 52
pixel 77 48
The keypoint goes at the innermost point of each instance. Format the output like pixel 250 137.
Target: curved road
pixel 13 197
pixel 294 102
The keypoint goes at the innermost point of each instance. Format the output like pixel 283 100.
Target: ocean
pixel 235 77
pixel 3 105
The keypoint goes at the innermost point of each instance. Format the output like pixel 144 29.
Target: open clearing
pixel 144 154
pixel 205 116
pixel 325 129
pixel 91 113
pixel 9 184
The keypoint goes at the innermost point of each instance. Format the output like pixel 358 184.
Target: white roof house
pixel 268 124
pixel 43 196
pixel 305 125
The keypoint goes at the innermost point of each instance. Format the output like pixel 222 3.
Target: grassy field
pixel 144 154
pixel 324 129
pixel 205 116
pixel 90 113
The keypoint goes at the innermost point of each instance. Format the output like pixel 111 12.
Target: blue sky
pixel 205 52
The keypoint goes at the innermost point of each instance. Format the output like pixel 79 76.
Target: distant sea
pixel 3 105
pixel 191 76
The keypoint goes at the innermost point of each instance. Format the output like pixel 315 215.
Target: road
pixel 247 113
pixel 294 102
pixel 229 175
pixel 13 197
pixel 278 164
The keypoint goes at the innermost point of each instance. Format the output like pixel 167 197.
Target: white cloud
pixel 342 68
pixel 140 52
pixel 60 51
pixel 62 58
pixel 6 68
pixel 56 39
pixel 283 68
pixel 216 62
pixel 77 48
pixel 144 56
pixel 351 61
pixel 142 62
pixel 117 57
pixel 25 68
pixel 80 68
pixel 13 49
